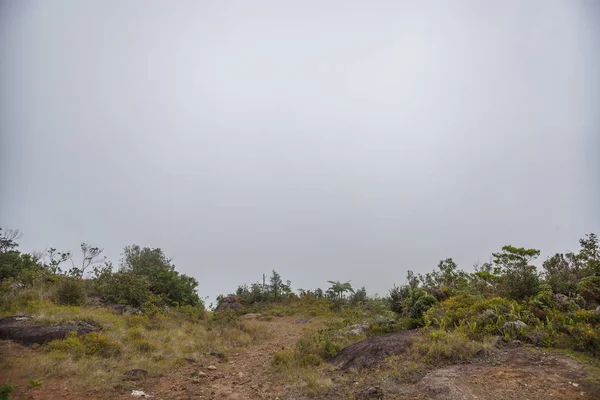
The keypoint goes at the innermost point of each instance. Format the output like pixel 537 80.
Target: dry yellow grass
pixel 156 344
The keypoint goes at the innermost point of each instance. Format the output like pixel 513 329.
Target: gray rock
pixel 563 302
pixel 358 329
pixel 14 320
pixel 516 326
pixel 489 314
pixel 32 334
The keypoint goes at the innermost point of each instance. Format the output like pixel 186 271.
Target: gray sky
pixel 324 139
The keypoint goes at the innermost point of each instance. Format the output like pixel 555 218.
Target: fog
pixel 328 140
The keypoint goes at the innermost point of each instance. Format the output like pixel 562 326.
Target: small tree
pixel 589 253
pixel 519 279
pixel 339 289
pixel 358 297
pixel 152 263
pixel 8 240
pixel 90 256
pixel 562 272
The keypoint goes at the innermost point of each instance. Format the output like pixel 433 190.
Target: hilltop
pixel 504 331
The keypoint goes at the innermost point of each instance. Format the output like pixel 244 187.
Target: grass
pixel 591 364
pixel 123 342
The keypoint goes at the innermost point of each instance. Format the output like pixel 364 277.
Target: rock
pixel 16 286
pixel 301 321
pixel 32 334
pixel 218 355
pixel 598 310
pixel 516 326
pixel 139 393
pixel 211 367
pixel 358 329
pixel 535 338
pixel 232 303
pixel 373 351
pixel 489 314
pixel 372 392
pixel 563 303
pixel 14 320
pixel 240 374
pixel 516 342
pixel 135 374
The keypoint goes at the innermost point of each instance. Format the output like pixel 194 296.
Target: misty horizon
pixel 326 141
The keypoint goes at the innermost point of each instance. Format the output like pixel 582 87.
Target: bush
pixel 92 344
pixel 589 288
pixel 70 292
pixel 124 287
pixel 441 346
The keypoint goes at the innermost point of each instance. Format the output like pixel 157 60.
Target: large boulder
pixel 372 351
pixel 229 303
pixel 39 334
pixel 18 328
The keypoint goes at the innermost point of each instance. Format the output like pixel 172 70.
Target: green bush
pixel 124 287
pixel 589 288
pixel 70 292
pixel 92 344
pixel 441 346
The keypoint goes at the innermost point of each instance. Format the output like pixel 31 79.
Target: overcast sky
pixel 329 140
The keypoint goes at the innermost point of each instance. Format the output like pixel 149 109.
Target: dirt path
pixel 244 375
pixel 516 373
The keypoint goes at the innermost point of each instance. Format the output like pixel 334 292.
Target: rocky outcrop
pixel 18 328
pixel 372 351
pixel 39 334
pixel 232 303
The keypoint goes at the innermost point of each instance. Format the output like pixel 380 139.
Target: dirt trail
pixel 516 373
pixel 244 375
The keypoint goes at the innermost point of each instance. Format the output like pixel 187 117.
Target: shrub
pixel 124 287
pixel 92 344
pixel 439 346
pixel 70 292
pixel 589 288
pixel 143 346
pixel 283 358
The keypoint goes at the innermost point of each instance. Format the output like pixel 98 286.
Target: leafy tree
pixel 562 272
pixel 589 253
pixel 519 278
pixel 397 298
pixel 172 287
pixel 275 285
pixel 358 297
pixel 485 279
pixel 589 288
pixel 124 287
pixel 447 279
pixel 9 255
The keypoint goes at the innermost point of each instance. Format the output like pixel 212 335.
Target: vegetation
pixel 460 314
